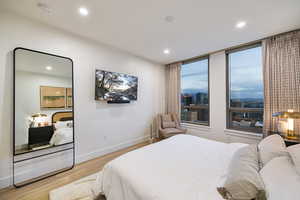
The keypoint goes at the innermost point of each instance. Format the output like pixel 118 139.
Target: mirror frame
pixel 47 148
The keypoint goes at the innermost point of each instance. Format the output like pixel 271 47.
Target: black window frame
pixel 230 109
pixel 206 57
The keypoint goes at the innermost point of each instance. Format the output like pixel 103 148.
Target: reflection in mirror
pixel 43 101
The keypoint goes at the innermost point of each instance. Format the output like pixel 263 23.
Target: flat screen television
pixel 115 87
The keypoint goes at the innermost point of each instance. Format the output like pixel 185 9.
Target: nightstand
pixel 288 142
pixel 39 136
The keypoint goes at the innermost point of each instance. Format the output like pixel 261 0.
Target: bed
pixel 63 131
pixel 181 167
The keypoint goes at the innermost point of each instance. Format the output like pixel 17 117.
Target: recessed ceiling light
pixel 83 11
pixel 169 19
pixel 240 24
pixel 49 68
pixel 167 51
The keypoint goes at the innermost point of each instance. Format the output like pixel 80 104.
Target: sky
pixel 245 74
pixel 194 76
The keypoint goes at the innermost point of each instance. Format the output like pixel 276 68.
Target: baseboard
pixel 243 134
pixel 7 181
pixel 196 127
pixel 110 149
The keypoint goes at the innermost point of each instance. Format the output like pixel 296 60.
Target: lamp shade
pixel 286 115
pixel 38 115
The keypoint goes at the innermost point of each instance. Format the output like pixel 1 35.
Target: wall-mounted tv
pixel 115 87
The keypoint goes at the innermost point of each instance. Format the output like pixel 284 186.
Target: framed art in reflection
pixel 53 97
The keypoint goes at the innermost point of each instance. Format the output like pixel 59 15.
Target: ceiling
pixel 30 61
pixel 139 26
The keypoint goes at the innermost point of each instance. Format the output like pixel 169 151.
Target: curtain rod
pixel 233 47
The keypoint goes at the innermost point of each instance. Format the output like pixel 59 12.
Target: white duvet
pixel 62 136
pixel 183 167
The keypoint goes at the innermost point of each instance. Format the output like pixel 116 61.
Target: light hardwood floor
pixel 40 190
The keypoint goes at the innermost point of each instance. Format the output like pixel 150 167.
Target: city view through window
pixel 245 88
pixel 194 92
pixel 246 100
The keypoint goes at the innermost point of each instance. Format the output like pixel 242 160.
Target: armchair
pixel 169 125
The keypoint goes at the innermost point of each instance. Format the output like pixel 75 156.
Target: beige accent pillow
pixel 169 125
pixel 271 147
pixel 167 121
pixel 243 181
pixel 166 118
pixel 294 152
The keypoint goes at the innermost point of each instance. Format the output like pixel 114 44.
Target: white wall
pixel 99 128
pixel 217 129
pixel 28 99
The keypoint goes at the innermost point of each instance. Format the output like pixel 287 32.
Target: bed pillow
pixel 70 124
pixel 294 152
pixel 271 147
pixel 281 180
pixel 243 181
pixel 63 124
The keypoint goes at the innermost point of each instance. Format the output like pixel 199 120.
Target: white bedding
pixel 181 167
pixel 62 136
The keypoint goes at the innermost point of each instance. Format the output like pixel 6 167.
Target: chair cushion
pixel 167 132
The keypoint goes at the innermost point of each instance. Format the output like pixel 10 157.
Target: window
pixel 245 89
pixel 195 92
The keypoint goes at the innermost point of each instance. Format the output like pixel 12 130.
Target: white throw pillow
pixel 271 147
pixel 294 151
pixel 243 180
pixel 281 180
pixel 62 124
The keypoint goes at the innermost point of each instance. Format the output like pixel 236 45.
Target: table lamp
pixel 37 118
pixel 290 115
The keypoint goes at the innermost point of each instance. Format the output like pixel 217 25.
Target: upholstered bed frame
pixel 62 116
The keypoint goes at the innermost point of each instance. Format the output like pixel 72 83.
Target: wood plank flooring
pixel 40 190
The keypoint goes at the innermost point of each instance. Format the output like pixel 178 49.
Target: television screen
pixel 112 86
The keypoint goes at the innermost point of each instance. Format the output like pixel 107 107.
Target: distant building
pixel 247 103
pixel 186 99
pixel 201 98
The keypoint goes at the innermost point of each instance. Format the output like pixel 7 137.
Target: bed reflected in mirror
pixel 43 101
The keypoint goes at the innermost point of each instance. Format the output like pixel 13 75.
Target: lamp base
pixel 292 135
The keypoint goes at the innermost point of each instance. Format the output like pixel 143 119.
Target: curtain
pixel 173 88
pixel 281 71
